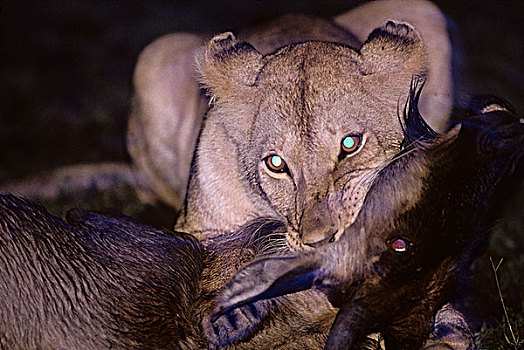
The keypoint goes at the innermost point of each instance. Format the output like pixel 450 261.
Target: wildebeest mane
pixel 417 132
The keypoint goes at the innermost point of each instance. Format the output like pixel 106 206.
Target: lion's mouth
pixel 296 244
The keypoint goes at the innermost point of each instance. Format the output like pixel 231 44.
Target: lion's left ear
pixel 229 67
pixel 395 49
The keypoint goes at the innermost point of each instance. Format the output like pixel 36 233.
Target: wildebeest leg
pixel 246 300
pixel 348 327
pixel 450 331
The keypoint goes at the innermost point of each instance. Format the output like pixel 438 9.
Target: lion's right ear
pixel 229 67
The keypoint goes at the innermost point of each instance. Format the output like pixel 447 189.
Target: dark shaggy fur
pixel 110 282
pixel 95 282
pixel 435 197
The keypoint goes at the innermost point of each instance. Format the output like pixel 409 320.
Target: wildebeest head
pixel 394 267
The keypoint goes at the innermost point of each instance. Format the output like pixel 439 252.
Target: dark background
pixel 66 69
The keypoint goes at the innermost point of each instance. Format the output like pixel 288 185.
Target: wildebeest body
pixel 110 282
pixel 93 283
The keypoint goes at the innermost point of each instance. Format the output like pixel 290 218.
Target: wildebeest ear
pixel 229 67
pixel 396 47
pixel 265 279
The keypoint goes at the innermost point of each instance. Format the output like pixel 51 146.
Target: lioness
pixel 302 116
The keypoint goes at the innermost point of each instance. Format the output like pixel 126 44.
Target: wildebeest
pixel 425 216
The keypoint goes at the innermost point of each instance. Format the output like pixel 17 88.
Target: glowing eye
pixel 276 164
pixel 399 245
pixel 350 144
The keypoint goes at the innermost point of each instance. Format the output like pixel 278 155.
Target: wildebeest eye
pixel 349 145
pixel 275 164
pixel 399 245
